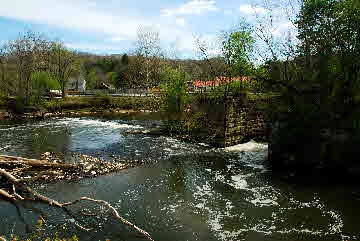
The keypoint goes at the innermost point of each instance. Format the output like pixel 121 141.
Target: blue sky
pixel 109 26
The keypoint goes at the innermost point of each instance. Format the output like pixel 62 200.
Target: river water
pixel 183 191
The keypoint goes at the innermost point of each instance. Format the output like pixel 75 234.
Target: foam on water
pixel 262 197
pixel 249 146
pixel 239 182
pixel 95 123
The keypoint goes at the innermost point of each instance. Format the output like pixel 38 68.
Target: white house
pixel 76 83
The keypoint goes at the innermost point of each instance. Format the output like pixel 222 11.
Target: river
pixel 183 191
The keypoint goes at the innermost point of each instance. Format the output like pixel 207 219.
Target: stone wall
pixel 244 121
pixel 233 121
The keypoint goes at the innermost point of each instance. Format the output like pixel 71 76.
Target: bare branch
pixel 43 199
pixel 116 214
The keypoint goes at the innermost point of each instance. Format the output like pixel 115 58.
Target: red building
pixel 219 81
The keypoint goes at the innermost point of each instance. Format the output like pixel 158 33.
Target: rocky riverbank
pixel 72 113
pixel 54 167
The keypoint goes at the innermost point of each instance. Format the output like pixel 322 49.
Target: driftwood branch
pixel 114 211
pixel 4 148
pixel 4 159
pixel 33 196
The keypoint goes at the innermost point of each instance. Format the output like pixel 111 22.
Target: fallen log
pixel 4 159
pixel 53 166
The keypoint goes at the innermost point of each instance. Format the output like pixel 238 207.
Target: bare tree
pixel 62 63
pixel 3 84
pixel 214 69
pixel 22 52
pixel 149 54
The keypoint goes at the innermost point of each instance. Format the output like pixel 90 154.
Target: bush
pixel 41 83
pixel 174 90
pixel 174 99
pixel 52 105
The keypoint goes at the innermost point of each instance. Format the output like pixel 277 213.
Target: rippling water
pixel 185 191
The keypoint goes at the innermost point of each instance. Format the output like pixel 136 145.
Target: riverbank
pixel 54 167
pixel 78 106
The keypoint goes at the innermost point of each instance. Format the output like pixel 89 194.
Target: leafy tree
pixel 329 47
pixel 42 82
pixel 92 79
pixel 121 69
pixel 236 49
pixel 175 98
pixel 174 90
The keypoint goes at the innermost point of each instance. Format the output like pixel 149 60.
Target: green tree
pixel 174 90
pixel 92 79
pixel 237 47
pixel 121 69
pixel 42 82
pixel 329 48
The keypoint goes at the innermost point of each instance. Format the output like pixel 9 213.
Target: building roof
pixel 219 81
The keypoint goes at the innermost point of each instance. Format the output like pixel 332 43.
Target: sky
pixel 110 26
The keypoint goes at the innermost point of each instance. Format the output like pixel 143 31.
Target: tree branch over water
pixel 17 193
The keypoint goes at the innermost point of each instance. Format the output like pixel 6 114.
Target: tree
pixel 3 84
pixel 175 97
pixel 120 69
pixel 329 34
pixel 234 58
pixel 317 77
pixel 237 47
pixel 42 82
pixel 33 52
pixel 174 89
pixel 22 53
pixel 62 64
pixel 92 79
pixel 149 54
pixel 113 78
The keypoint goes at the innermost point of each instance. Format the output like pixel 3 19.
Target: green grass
pixel 102 103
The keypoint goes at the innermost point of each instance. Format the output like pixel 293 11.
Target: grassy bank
pixel 105 103
pixel 87 103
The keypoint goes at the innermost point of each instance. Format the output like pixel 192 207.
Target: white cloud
pixel 79 15
pixel 86 16
pixel 180 22
pixel 249 9
pixel 194 7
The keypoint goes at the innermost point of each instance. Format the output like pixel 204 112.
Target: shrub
pixel 174 99
pixel 42 82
